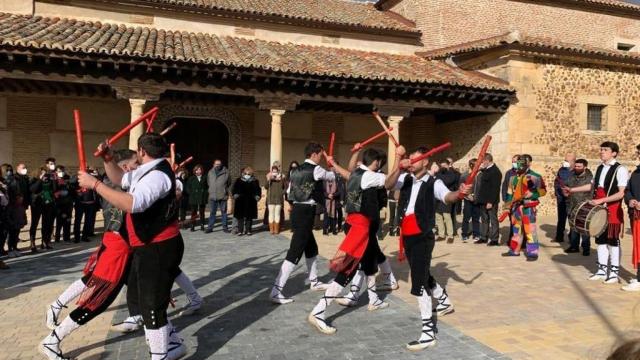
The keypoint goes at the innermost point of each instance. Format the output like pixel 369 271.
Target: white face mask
pixel 246 177
pixel 22 171
pixel 60 173
pixel 514 165
pixel 52 167
pixel 565 164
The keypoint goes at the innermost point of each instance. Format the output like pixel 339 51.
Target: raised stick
pixel 370 140
pixel 386 129
pixel 172 154
pixel 82 161
pixel 188 160
pixel 476 167
pixel 431 152
pixel 332 141
pixel 169 128
pixel 127 129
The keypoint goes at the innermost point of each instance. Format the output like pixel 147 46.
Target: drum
pixel 588 219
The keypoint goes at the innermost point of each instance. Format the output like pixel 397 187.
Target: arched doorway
pixel 204 139
pixel 201 117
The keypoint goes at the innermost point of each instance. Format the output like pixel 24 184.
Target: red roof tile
pixel 85 37
pixel 611 4
pixel 515 38
pixel 341 12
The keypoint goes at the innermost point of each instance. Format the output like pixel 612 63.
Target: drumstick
pixel 476 167
pixel 370 140
pixel 386 129
pixel 126 130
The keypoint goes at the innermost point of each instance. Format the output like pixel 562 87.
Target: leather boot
pixel 271 228
pixel 276 228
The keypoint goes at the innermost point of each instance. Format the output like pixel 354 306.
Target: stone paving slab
pixel 234 275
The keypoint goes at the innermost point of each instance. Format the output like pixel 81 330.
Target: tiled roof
pixel 140 43
pixel 342 12
pixel 611 4
pixel 515 38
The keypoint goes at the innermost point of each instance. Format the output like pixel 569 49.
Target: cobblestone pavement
pixel 234 275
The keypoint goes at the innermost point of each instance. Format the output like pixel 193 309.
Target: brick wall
pixel 450 22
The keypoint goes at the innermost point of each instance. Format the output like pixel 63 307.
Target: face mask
pixel 52 167
pixel 22 171
pixel 9 173
pixel 274 172
pixel 246 177
pixel 514 165
pixel 565 164
pixel 60 173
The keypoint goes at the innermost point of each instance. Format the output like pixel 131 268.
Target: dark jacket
pixel 575 180
pixel 505 183
pixel 247 193
pixel 42 190
pixel 197 190
pixel 563 174
pixel 450 180
pixel 488 190
pixel 632 190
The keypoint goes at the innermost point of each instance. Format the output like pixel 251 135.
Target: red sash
pixel 169 232
pixel 615 213
pixel 353 246
pixel 636 238
pixel 107 268
pixel 408 227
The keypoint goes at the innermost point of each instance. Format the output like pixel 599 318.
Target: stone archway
pixel 224 116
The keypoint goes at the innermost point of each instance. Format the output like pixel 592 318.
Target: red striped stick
pixel 169 128
pixel 386 129
pixel 150 122
pixel 370 140
pixel 476 167
pixel 127 129
pixel 431 152
pixel 82 161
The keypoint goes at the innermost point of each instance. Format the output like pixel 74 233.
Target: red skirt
pixel 352 248
pixel 615 214
pixel 636 238
pixel 106 266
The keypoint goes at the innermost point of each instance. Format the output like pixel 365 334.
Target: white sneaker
pixel 278 298
pixel 318 286
pixel 388 286
pixel 129 324
pixel 378 305
pixel 633 285
pixel 192 308
pixel 348 302
pixel 597 277
pixel 50 347
pixel 176 351
pixel 320 325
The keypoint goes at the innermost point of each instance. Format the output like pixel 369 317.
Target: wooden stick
pixel 172 154
pixel 431 152
pixel 386 129
pixel 82 161
pixel 370 140
pixel 127 129
pixel 188 160
pixel 476 167
pixel 169 128
pixel 331 143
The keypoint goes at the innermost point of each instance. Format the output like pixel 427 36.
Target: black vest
pixel 160 214
pixel 425 209
pixel 303 185
pixel 610 180
pixel 354 192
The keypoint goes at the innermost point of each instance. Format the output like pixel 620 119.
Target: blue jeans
pixel 574 237
pixel 215 205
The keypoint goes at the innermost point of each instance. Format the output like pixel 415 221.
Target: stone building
pixel 253 83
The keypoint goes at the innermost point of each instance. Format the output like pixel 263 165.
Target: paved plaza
pixel 505 308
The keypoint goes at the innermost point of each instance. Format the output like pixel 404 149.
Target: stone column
pixel 137 109
pixel 394 121
pixel 276 136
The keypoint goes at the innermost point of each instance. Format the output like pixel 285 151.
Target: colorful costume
pixel 522 198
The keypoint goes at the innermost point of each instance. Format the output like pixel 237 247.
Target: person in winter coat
pixel 86 207
pixel 275 198
pixel 198 190
pixel 43 190
pixel 182 175
pixel 65 196
pixel 219 181
pixel 246 192
pixel 444 218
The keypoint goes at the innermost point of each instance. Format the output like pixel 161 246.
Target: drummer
pixel 579 176
pixel 608 188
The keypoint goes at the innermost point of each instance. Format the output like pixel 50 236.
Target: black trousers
pixel 244 225
pixel 370 259
pixel 302 240
pixel 605 240
pixel 88 212
pixel 419 249
pixel 48 214
pixel 63 221
pixel 153 270
pixel 83 315
pixel 562 217
pixel 489 228
pixel 199 210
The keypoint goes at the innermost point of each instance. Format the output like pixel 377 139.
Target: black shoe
pixel 201 227
pixel 493 243
pixel 226 231
pixel 510 253
pixel 208 231
pixel 571 250
pixel 49 247
pixel 586 252
pixel 325 232
pixel 335 232
pixel 193 229
pixel 532 258
pixel 480 241
pixel 557 240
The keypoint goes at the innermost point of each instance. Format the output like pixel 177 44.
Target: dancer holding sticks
pixel 418 192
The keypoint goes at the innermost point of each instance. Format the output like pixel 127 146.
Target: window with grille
pixel 595 116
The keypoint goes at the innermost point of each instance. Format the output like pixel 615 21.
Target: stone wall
pixel 451 22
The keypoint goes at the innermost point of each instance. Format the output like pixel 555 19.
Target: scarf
pixel 353 246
